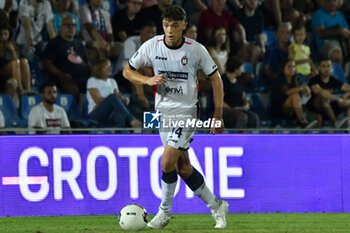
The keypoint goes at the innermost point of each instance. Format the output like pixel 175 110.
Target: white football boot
pixel 220 215
pixel 159 221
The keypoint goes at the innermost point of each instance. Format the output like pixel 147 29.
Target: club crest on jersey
pixel 184 60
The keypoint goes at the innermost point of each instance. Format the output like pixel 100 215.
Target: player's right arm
pixel 137 78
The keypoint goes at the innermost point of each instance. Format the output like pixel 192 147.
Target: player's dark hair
pixel 233 63
pixel 47 84
pixel 176 13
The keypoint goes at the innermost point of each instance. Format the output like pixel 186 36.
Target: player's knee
pixel 167 164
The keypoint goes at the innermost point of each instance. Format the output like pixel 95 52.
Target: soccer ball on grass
pixel 133 217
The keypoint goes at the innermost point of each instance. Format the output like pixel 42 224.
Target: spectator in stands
pixel 191 31
pixel 2 123
pixel 286 96
pixel 194 8
pixel 63 11
pixel 106 103
pixel 129 48
pixel 218 47
pixel 124 21
pixel 277 54
pixel 15 72
pixel 278 11
pixel 324 101
pixel 47 115
pixel 66 60
pixel 253 22
pixel 328 27
pixel 97 31
pixel 216 15
pixel 5 9
pixel 236 105
pixel 71 3
pixel 154 13
pixel 300 53
pixel 33 16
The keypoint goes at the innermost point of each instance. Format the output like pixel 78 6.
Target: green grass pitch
pixel 186 223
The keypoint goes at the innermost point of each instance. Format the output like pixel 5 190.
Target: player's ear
pixel 184 27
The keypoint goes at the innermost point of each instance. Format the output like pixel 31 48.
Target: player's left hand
pixel 214 130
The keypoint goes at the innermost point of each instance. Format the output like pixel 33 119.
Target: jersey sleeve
pixel 206 63
pixel 143 55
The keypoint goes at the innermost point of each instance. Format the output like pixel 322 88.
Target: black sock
pixel 195 180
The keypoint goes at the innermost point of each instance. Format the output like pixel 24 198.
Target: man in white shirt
pixel 175 60
pixel 48 115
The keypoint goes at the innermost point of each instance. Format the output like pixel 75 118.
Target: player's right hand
pixel 157 79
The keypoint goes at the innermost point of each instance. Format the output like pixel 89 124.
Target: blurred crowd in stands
pixel 282 62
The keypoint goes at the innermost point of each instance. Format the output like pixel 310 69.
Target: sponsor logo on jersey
pixel 174 75
pixel 184 60
pixel 175 90
pixel 161 58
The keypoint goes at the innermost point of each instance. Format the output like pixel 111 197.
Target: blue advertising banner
pixel 99 174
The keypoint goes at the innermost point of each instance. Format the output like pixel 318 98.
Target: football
pixel 133 217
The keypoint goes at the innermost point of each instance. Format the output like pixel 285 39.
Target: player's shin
pixel 169 181
pixel 197 184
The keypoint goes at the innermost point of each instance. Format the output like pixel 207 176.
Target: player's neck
pixel 174 44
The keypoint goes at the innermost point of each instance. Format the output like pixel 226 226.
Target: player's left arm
pixel 217 85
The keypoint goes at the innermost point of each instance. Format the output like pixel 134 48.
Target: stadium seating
pixel 8 109
pixel 68 103
pixel 270 37
pixel 338 72
pixel 36 75
pixel 27 103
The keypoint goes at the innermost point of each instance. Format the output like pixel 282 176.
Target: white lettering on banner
pixel 27 154
pixel 226 172
pixel 101 151
pixel 69 176
pixel 133 154
pixel 154 168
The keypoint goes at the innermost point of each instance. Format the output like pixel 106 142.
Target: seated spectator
pixel 33 16
pixel 218 47
pixel 47 115
pixel 324 101
pixel 286 96
pixel 15 72
pixel 300 53
pixel 194 8
pixel 66 60
pixel 277 54
pixel 124 21
pixel 154 14
pixel 97 31
pixel 253 22
pixel 236 105
pixel 328 27
pixel 191 31
pixel 216 15
pixel 129 48
pixel 63 7
pixel 2 123
pixel 106 103
pixel 71 3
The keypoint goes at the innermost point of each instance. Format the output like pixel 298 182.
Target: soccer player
pixel 175 60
